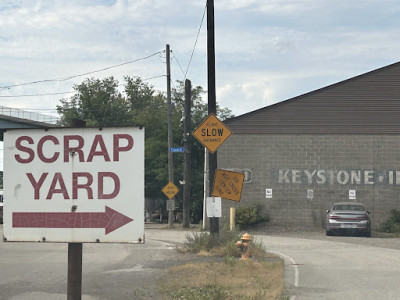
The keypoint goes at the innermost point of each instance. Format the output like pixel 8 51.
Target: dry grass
pixel 229 279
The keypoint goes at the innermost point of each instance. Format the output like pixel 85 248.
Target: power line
pixel 173 54
pixel 80 75
pixel 62 93
pixel 154 77
pixel 195 43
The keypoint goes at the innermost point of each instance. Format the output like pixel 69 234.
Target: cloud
pixel 302 43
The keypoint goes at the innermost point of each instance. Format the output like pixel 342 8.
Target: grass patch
pixel 239 279
pixel 261 277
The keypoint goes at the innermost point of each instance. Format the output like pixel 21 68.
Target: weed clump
pixel 221 245
pixel 392 224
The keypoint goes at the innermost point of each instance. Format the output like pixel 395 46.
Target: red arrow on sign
pixel 110 220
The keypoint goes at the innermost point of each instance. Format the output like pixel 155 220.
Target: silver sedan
pixel 348 217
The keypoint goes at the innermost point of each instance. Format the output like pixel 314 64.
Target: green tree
pixel 101 103
pixel 149 108
pixel 98 103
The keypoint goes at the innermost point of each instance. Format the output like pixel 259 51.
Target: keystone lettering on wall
pixel 336 177
pixel 71 149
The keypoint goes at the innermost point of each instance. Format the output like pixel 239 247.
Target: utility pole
pixel 187 154
pixel 212 103
pixel 170 154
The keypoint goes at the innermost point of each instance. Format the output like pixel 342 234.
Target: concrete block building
pixel 338 143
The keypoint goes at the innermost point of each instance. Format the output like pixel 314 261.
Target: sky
pixel 266 51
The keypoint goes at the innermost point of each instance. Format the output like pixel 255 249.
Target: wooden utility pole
pixel 170 154
pixel 187 154
pixel 212 103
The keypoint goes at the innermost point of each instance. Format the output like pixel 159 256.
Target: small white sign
pixel 170 205
pixel 310 194
pixel 214 207
pixel 352 194
pixel 268 193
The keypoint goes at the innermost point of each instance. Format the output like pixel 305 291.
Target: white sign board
pixel 268 193
pixel 214 207
pixel 170 205
pixel 74 185
pixel 352 194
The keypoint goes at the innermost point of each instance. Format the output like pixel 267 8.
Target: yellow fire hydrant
pixel 244 245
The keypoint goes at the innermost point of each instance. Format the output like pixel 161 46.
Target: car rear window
pixel 348 207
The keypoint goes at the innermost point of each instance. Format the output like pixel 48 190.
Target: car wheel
pixel 328 233
pixel 368 233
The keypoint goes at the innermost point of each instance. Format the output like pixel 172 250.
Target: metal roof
pixel 365 104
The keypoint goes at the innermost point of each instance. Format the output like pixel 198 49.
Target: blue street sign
pixel 178 149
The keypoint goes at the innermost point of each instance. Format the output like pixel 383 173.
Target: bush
pixel 199 241
pixel 392 224
pixel 223 244
pixel 247 216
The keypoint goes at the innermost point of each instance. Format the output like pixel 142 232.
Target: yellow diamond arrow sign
pixel 170 190
pixel 212 133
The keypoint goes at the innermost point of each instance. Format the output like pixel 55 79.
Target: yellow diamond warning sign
pixel 170 190
pixel 228 185
pixel 212 133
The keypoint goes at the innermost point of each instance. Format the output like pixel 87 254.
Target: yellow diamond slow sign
pixel 212 133
pixel 170 190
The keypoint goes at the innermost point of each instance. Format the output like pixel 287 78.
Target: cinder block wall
pixel 329 165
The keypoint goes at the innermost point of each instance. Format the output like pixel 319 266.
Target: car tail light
pixel 362 218
pixel 334 217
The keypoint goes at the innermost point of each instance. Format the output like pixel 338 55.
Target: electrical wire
pixel 107 68
pixel 80 75
pixel 195 43
pixel 177 61
pixel 62 93
pixel 154 77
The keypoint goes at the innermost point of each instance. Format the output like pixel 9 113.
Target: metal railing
pixel 27 115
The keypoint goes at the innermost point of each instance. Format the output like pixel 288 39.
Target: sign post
pixel 212 133
pixel 74 185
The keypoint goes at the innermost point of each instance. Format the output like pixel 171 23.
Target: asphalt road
pixel 38 271
pixel 317 267
pixel 339 267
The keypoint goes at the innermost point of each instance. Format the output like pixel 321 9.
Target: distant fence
pixel 27 115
